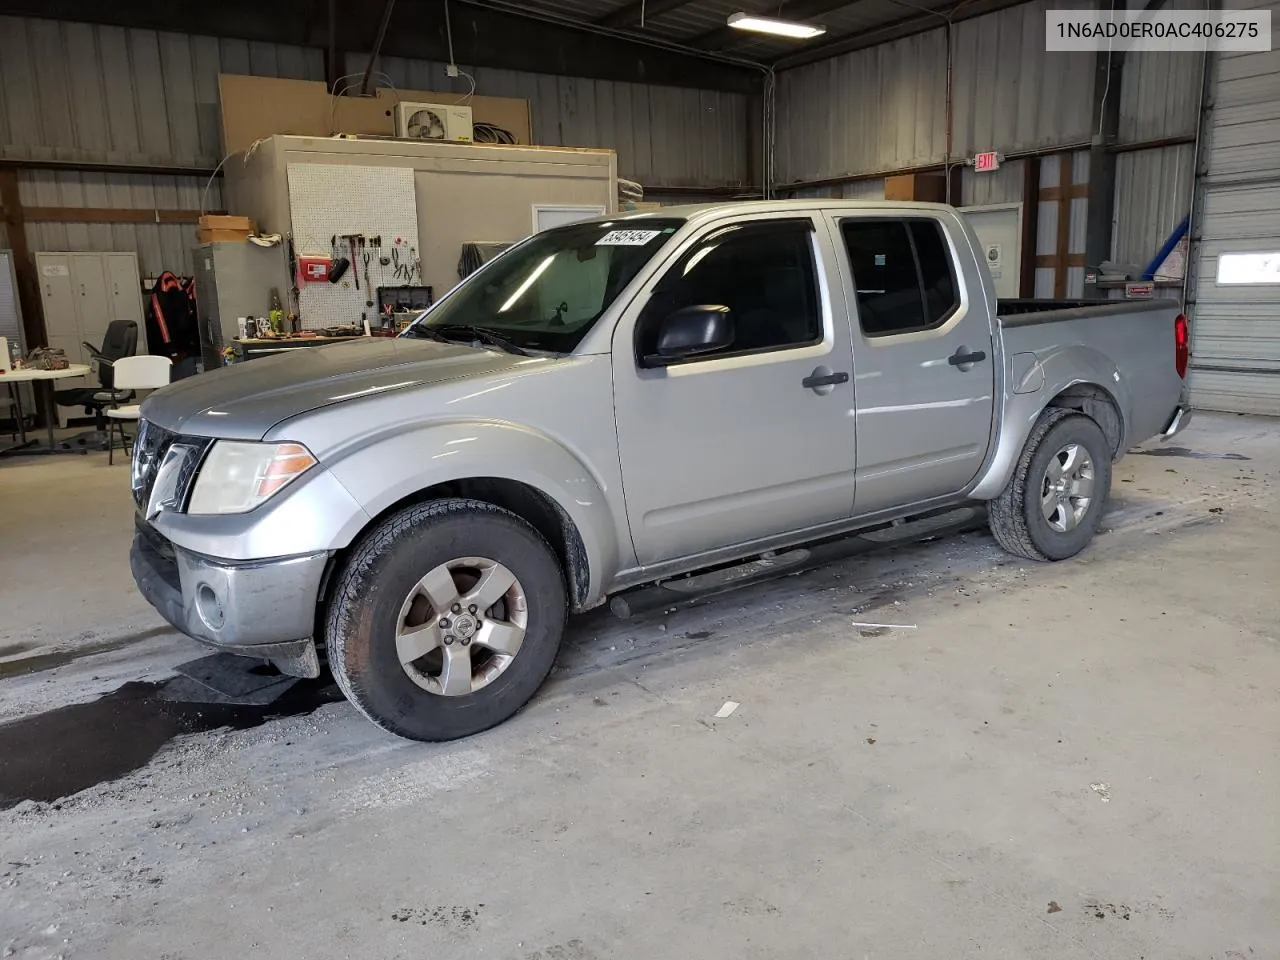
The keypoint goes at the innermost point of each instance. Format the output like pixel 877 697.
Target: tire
pixel 379 615
pixel 1018 516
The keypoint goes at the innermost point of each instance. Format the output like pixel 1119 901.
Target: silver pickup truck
pixel 617 402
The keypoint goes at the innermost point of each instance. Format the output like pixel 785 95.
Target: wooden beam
pixel 1071 191
pixel 24 266
pixel 1048 260
pixel 1064 227
pixel 1030 226
pixel 109 215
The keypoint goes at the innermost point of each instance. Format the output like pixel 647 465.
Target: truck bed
pixel 1033 311
pixel 1131 344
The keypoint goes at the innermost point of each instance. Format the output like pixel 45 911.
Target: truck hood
pixel 246 400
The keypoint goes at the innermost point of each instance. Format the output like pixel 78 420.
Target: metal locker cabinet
pixel 89 284
pixel 56 296
pixel 124 292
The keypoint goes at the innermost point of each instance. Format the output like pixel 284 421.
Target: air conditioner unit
pixel 433 121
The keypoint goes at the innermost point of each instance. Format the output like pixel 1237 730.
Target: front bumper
pixel 1177 423
pixel 264 609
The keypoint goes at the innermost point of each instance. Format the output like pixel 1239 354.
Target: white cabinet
pixel 81 294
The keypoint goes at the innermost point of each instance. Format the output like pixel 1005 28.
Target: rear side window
pixel 903 273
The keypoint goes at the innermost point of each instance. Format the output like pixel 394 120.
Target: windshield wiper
pixel 483 335
pixel 422 330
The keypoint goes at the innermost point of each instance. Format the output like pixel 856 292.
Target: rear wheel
pixel 1053 503
pixel 446 620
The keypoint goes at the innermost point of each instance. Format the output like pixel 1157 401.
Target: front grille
pixel 164 467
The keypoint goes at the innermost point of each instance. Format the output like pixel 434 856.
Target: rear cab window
pixel 903 273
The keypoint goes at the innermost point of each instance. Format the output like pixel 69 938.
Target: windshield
pixel 547 293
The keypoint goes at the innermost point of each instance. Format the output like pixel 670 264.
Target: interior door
pixel 923 360
pixel 757 438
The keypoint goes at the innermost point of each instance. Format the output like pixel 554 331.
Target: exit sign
pixel 985 162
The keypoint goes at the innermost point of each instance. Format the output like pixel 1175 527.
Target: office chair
pixel 121 340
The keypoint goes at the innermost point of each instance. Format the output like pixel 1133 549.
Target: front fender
pixel 1057 370
pixel 386 469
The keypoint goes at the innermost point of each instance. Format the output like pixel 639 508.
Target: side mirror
pixel 691 331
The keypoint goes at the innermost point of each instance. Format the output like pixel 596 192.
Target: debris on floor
pixel 1102 790
pixel 727 710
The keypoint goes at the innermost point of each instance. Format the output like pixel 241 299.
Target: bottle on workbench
pixel 277 313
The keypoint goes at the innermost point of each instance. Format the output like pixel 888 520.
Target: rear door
pixel 757 440
pixel 923 359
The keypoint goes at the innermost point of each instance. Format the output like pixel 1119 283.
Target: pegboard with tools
pixel 365 221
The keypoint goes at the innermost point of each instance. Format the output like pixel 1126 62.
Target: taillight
pixel 1181 345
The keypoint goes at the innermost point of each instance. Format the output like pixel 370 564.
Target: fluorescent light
pixel 780 28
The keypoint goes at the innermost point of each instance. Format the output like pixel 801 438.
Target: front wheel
pixel 446 619
pixel 1053 503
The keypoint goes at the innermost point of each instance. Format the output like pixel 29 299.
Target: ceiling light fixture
pixel 779 28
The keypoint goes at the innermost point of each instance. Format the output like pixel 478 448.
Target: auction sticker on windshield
pixel 627 238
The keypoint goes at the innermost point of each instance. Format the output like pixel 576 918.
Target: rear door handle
pixel 823 380
pixel 963 358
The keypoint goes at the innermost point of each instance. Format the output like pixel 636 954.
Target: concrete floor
pixel 1071 760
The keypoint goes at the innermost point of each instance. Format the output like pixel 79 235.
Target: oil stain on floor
pixel 1189 454
pixel 53 755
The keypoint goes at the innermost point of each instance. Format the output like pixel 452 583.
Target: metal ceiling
pixel 668 42
pixel 701 25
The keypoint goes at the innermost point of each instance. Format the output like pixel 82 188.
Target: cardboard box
pixel 223 222
pixel 205 235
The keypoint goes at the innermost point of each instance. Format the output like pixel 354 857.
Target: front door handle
pixel 817 379
pixel 964 358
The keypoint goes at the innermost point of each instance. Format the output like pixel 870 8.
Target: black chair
pixel 121 340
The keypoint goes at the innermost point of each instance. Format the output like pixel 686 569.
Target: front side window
pixel 763 271
pixel 903 273
pixel 548 292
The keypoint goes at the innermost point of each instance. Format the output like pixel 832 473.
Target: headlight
pixel 237 476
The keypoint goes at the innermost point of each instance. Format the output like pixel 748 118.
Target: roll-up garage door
pixel 1236 314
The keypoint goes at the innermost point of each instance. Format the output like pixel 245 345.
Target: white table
pixel 45 379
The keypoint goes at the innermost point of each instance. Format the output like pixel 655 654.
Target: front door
pixel 757 439
pixel 924 369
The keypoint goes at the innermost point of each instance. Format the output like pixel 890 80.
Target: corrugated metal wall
pixel 98 94
pixel 999 186
pixel 883 109
pixel 1008 94
pixel 160 246
pixel 1153 194
pixel 876 109
pixel 664 136
pixel 82 92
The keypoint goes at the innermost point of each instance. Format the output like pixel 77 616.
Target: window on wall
pixel 762 271
pixel 1248 268
pixel 903 273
